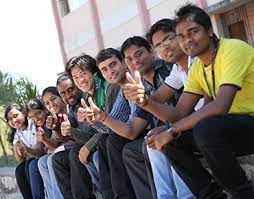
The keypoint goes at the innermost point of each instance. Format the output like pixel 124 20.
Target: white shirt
pixel 178 78
pixel 27 136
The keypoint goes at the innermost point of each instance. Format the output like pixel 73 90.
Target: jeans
pixel 93 169
pixel 48 176
pixel 22 177
pixel 36 181
pixel 73 179
pixel 167 182
pixel 220 139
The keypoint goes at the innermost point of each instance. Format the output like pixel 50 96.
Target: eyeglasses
pixel 165 42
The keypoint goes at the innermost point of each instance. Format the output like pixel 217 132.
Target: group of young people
pixel 136 122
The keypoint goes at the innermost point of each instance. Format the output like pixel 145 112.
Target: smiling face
pixel 69 92
pixel 113 70
pixel 140 59
pixel 16 119
pixel 37 116
pixel 193 38
pixel 53 102
pixel 83 79
pixel 166 46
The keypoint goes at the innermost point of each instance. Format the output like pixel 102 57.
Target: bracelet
pixel 103 117
pixel 169 130
pixel 144 103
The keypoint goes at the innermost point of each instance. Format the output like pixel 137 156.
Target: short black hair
pixel 84 62
pixel 108 53
pixel 195 14
pixel 63 76
pixel 164 25
pixel 137 41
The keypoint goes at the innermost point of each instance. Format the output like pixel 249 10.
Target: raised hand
pixel 134 90
pixel 65 126
pixel 81 113
pixel 83 155
pixel 51 120
pixel 40 135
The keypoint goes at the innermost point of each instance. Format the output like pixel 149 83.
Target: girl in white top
pixel 25 146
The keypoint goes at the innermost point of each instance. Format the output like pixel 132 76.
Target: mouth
pixel 71 100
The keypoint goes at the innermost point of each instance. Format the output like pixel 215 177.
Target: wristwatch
pixel 169 130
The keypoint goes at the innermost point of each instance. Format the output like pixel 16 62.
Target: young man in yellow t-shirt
pixel 224 127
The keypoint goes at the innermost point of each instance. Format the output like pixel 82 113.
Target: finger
pixel 92 104
pixel 129 78
pixel 65 118
pixel 83 103
pixel 137 77
pixel 53 113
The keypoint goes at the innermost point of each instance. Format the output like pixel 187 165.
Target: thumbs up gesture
pixel 81 115
pixel 51 120
pixel 93 113
pixel 134 89
pixel 65 126
pixel 40 135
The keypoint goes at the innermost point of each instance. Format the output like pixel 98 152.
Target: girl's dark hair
pixel 164 25
pixel 195 14
pixel 137 41
pixel 35 104
pixel 84 62
pixel 7 110
pixel 50 89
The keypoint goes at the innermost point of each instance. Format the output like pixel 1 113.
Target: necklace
pixel 212 90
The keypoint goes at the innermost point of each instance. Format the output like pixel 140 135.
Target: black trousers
pixel 73 178
pixel 139 169
pixel 22 177
pixel 220 140
pixel 114 170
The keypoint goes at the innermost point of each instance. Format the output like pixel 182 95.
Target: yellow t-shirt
pixel 234 64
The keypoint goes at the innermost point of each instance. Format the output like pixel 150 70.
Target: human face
pixel 140 59
pixel 83 79
pixel 37 116
pixel 69 92
pixel 193 38
pixel 113 70
pixel 16 119
pixel 53 102
pixel 166 46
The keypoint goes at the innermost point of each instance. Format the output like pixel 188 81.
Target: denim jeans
pixel 167 182
pixel 36 181
pixel 220 139
pixel 48 176
pixel 73 179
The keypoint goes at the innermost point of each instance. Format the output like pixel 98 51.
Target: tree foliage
pixel 16 90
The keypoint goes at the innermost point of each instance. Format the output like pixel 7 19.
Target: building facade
pixel 90 25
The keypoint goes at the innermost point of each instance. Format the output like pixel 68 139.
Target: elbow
pixel 221 110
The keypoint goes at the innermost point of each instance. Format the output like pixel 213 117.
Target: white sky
pixel 28 41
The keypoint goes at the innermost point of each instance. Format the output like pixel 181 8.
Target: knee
pixel 205 131
pixel 74 154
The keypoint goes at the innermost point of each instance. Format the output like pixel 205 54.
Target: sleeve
pixel 235 60
pixel 72 119
pixel 82 135
pixel 93 141
pixel 192 84
pixel 174 79
pixel 16 138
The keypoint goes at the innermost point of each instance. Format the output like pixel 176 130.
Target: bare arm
pixel 219 107
pixel 163 94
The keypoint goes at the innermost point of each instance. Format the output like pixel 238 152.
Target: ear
pixel 210 32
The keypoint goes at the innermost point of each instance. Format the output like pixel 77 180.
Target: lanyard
pixel 212 90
